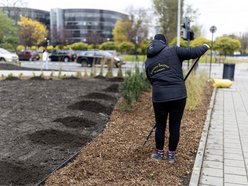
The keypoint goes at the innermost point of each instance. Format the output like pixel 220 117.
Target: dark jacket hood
pixel 155 47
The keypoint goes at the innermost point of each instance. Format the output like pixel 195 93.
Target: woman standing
pixel 164 70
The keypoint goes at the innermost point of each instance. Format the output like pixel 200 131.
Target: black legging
pixel 175 110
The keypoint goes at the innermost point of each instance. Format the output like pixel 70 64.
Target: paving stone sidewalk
pixel 222 158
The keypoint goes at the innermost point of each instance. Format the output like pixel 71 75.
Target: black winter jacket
pixel 164 69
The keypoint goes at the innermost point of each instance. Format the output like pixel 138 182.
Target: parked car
pixel 63 55
pixel 6 56
pixel 79 53
pixel 28 55
pixel 87 58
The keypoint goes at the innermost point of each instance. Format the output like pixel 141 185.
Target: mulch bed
pixel 116 156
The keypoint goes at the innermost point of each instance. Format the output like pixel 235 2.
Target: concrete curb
pixel 195 176
pixel 27 73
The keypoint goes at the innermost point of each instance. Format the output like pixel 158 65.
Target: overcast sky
pixel 118 5
pixel 229 16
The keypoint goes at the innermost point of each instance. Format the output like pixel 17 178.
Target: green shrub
pixel 41 48
pixel 79 46
pixel 9 76
pixel 33 47
pixel 20 47
pixel 50 48
pixel 108 46
pixel 133 86
pixel 126 46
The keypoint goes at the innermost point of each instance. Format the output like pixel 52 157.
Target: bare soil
pixel 43 123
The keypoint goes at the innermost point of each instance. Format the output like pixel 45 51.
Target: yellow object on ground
pixel 222 83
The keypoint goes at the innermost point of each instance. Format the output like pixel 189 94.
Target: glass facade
pixel 87 25
pixel 39 15
pixel 72 25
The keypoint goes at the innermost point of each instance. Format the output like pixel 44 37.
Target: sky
pixel 229 16
pixel 117 5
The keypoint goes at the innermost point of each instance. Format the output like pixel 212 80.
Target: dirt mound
pixel 70 78
pixel 116 79
pixel 100 77
pixel 56 137
pixel 39 78
pixel 96 95
pixel 112 88
pixel 91 106
pixel 17 173
pixel 12 78
pixel 75 122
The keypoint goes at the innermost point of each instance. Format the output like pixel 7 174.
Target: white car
pixel 6 56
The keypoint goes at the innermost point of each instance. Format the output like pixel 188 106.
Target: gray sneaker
pixel 171 156
pixel 157 156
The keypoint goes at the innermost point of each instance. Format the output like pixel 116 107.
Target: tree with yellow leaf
pixel 120 30
pixel 134 29
pixel 31 32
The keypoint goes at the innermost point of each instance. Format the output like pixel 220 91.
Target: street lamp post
pixel 46 42
pixel 212 29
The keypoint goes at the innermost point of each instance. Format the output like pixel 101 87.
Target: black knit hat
pixel 160 37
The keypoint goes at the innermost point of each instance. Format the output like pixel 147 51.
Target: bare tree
pixel 94 38
pixel 139 25
pixel 59 35
pixel 244 43
pixel 193 14
pixel 13 3
pixel 167 12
